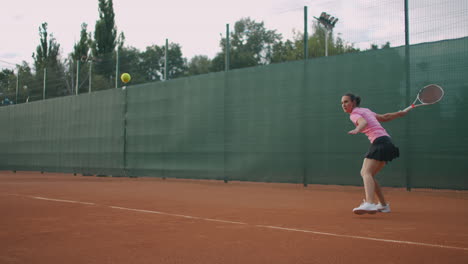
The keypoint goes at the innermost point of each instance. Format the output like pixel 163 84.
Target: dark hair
pixel 354 98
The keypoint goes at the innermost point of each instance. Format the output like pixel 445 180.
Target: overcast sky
pixel 197 25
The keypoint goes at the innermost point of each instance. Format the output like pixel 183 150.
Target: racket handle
pixel 409 108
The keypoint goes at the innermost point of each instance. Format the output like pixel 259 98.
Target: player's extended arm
pixel 390 116
pixel 362 123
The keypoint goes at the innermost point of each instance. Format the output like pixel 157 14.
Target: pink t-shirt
pixel 373 128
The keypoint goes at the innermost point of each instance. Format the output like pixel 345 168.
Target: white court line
pixel 177 215
pixel 265 226
pixel 63 201
pixel 361 237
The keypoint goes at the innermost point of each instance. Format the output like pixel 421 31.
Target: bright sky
pixel 197 25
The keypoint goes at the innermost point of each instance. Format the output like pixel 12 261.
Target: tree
pixel 105 41
pixel 177 65
pixel 376 47
pixel 336 45
pixel 152 62
pixel 7 86
pixel 9 79
pixel 26 81
pixel 294 50
pixel 199 64
pixel 47 57
pixel 80 57
pixel 81 49
pixel 47 51
pixel 286 51
pixel 130 62
pixel 251 45
pixel 105 33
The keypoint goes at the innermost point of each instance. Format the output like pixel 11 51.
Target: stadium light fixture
pixel 329 23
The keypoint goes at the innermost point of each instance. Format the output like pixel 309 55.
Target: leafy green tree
pixel 336 45
pixel 152 62
pixel 130 62
pixel 376 47
pixel 294 50
pixel 177 65
pixel 9 80
pixel 7 86
pixel 82 48
pixel 286 51
pixel 105 41
pixel 199 64
pixel 47 57
pixel 80 57
pixel 105 34
pixel 47 51
pixel 26 82
pixel 251 44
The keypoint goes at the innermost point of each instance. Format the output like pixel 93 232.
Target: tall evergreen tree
pixel 105 41
pixel 80 58
pixel 47 51
pixel 105 33
pixel 47 57
pixel 81 49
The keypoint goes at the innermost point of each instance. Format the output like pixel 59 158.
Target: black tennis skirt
pixel 382 149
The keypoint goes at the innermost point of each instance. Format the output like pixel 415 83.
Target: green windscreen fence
pixel 276 123
pixel 72 134
pixel 176 128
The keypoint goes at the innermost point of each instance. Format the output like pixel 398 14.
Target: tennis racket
pixel 428 95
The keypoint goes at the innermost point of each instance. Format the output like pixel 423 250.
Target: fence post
pixel 408 93
pixel 306 36
pixel 17 85
pixel 166 48
pixel 44 88
pixel 124 161
pixel 77 76
pixel 226 66
pixel 90 74
pixel 304 155
pixel 117 68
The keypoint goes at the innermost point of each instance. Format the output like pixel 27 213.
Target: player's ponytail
pixel 354 98
pixel 358 100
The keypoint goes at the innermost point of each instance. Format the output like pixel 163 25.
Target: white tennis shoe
pixel 384 208
pixel 366 208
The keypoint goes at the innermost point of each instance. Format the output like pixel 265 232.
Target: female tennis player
pixel 380 152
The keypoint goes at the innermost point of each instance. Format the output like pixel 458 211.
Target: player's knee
pixel 365 174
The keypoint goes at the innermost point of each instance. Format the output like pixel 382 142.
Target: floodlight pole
pixel 329 23
pixel 326 42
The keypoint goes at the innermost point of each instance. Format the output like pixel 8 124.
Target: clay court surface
pixel 61 218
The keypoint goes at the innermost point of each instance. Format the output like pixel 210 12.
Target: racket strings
pixel 430 94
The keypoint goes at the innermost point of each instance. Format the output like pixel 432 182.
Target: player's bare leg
pixel 378 189
pixel 369 167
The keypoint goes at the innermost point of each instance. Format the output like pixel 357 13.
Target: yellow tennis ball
pixel 125 77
